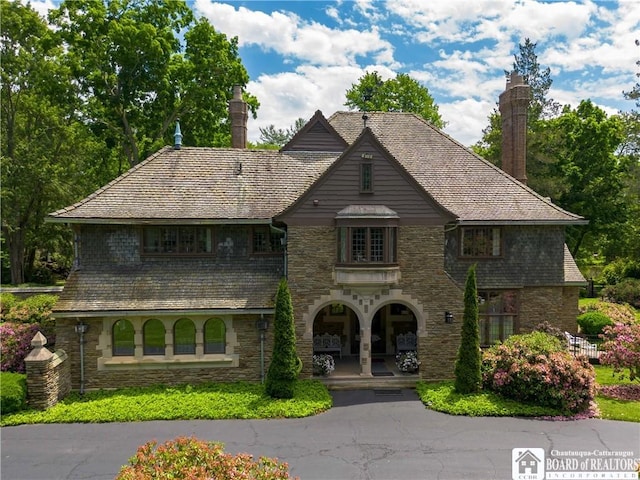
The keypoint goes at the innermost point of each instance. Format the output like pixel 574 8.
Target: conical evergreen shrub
pixel 468 364
pixel 283 369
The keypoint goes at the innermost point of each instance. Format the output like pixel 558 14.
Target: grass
pixel 441 397
pixel 211 401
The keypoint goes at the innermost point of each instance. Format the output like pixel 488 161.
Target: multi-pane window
pixel 214 336
pixel 498 313
pixel 187 240
pixel 184 337
pixel 480 242
pixel 122 338
pixel 266 240
pixel 367 245
pixel 153 337
pixel 366 178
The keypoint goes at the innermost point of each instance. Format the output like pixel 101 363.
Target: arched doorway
pixel 336 332
pixel 388 322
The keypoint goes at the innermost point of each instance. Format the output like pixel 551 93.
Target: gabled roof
pixel 202 185
pixel 462 182
pixel 221 185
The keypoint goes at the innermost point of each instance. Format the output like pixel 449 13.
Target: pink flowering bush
pixel 15 344
pixel 536 368
pixel 193 459
pixel 615 311
pixel 621 348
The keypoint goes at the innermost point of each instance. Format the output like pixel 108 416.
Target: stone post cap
pixel 38 340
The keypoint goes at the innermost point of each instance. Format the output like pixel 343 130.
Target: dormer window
pixel 366 177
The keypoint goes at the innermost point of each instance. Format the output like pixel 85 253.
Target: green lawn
pixel 442 398
pixel 212 401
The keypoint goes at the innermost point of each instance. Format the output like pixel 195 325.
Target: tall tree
pixel 136 79
pixel 467 368
pixel 270 135
pixel 42 144
pixel 283 369
pixel 585 141
pixel 399 94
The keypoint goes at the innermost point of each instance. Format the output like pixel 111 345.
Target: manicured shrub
pixel 536 368
pixel 592 323
pixel 467 368
pixel 193 459
pixel 7 302
pixel 284 367
pixel 15 344
pixel 618 313
pixel 13 394
pixel 35 310
pixel 621 348
pixel 626 291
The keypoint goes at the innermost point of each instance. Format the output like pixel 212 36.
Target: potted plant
pixel 323 364
pixel 407 362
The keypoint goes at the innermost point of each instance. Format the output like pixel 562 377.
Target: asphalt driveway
pixel 366 435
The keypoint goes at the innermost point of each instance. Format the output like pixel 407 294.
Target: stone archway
pixel 364 303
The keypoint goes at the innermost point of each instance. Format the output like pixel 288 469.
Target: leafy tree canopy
pixel 399 94
pixel 272 136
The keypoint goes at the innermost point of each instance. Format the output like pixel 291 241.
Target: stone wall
pixel 161 370
pixel 556 305
pixel 48 374
pixel 423 286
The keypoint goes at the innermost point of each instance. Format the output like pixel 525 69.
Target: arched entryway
pixel 336 332
pixel 388 322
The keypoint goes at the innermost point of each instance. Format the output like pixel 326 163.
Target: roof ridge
pixel 113 182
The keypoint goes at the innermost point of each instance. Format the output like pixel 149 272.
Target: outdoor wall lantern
pixel 448 317
pixel 81 328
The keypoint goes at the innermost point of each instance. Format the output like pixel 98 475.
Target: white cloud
pixel 470 118
pixel 290 36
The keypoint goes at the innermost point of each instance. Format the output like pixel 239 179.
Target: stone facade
pixel 424 287
pixel 162 369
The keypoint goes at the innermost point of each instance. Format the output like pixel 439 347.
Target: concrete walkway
pixel 364 436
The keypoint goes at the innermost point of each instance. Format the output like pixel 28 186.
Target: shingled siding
pixel 312 256
pixel 531 255
pixel 143 375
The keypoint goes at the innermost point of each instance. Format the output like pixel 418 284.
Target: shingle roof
pixel 214 184
pixel 144 287
pixel 203 184
pixel 462 182
pixel 572 274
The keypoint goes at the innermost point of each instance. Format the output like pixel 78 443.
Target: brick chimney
pixel 513 105
pixel 238 112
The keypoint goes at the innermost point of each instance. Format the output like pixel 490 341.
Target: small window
pixel 177 240
pixel 498 314
pixel 153 337
pixel 184 337
pixel 214 336
pixel 122 338
pixel 366 178
pixel 265 240
pixel 480 242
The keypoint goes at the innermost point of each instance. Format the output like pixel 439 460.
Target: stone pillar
pixel 48 374
pixel 513 104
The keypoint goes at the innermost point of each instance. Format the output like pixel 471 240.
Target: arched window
pixel 122 338
pixel 184 337
pixel 153 337
pixel 214 336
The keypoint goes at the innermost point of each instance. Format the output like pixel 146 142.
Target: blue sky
pixel 303 55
